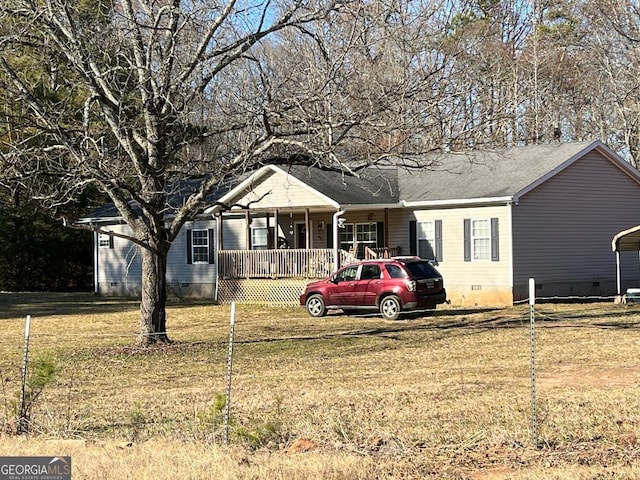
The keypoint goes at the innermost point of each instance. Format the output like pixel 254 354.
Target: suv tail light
pixel 411 285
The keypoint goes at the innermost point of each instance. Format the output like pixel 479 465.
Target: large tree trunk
pixel 153 317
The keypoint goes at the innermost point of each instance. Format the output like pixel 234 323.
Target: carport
pixel 625 241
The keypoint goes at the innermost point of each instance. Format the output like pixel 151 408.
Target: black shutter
pixel 438 245
pixel 212 257
pixel 189 259
pixel 413 237
pixel 380 235
pixel 329 230
pixel 111 242
pixel 271 233
pixel 495 241
pixel 467 240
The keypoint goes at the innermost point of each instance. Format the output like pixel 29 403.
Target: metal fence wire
pixel 571 349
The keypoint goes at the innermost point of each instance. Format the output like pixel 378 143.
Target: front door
pixel 301 235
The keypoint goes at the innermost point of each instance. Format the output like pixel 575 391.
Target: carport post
pixel 618 287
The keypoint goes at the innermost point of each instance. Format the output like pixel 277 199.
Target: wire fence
pixel 560 355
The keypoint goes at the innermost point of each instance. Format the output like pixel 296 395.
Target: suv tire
pixel 315 305
pixel 390 307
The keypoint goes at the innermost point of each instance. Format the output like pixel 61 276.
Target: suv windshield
pixel 422 270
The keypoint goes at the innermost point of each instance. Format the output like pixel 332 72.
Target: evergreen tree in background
pixel 37 253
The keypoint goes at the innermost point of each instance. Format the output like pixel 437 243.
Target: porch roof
pixel 320 188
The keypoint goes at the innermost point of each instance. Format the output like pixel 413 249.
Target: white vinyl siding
pixel 121 263
pixel 199 271
pixel 234 233
pixel 459 274
pixel 120 267
pixel 277 190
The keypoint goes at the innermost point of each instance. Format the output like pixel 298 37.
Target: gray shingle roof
pixel 375 186
pixel 484 174
pixel 180 191
pixel 481 174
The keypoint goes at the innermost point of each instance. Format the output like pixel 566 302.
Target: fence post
pixel 227 412
pixel 534 408
pixel 23 421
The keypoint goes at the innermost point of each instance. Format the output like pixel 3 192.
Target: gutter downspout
pixel 336 243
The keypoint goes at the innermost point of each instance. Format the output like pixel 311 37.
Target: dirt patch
pixel 590 378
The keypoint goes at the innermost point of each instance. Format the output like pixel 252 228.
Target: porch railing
pixel 381 252
pixel 280 263
pixel 289 263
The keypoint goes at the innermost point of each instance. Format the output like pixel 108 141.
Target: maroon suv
pixel 390 286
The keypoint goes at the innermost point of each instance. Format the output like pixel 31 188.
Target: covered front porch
pixel 300 223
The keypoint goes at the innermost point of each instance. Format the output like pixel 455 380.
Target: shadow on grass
pixel 40 304
pixel 473 321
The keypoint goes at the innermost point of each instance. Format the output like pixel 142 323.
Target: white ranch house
pixel 489 219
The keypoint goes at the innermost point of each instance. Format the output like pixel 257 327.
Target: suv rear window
pixel 422 270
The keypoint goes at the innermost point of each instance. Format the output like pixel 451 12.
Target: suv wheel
pixel 315 306
pixel 390 307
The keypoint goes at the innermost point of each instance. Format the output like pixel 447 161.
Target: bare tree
pixel 612 46
pixel 149 83
pixel 135 98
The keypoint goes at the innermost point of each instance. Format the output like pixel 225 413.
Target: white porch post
pixel 247 220
pixel 307 223
pixel 336 240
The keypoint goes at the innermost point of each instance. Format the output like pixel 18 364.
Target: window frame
pixel 260 246
pixel 430 241
pixel 197 247
pixel 344 230
pixel 480 253
pixel 361 244
pixel 105 240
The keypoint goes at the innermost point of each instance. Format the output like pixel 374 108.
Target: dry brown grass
pixel 443 395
